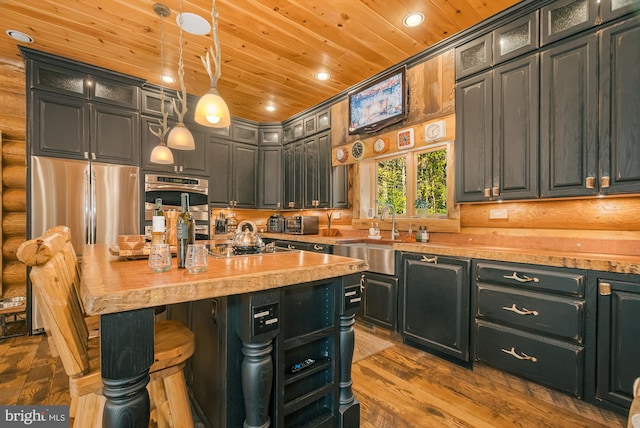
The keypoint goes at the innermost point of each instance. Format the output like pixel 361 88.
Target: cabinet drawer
pixel 550 362
pixel 559 316
pixel 528 277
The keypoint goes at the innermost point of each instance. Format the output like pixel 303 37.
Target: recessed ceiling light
pixel 413 19
pixel 19 36
pixel 194 24
pixel 323 75
pixel 270 107
pixel 168 79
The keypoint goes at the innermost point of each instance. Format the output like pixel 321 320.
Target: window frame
pixel 368 180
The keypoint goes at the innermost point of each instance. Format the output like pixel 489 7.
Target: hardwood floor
pixel 397 386
pixel 401 386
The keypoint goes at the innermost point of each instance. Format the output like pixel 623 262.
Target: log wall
pixel 13 215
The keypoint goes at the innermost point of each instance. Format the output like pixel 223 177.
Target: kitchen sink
pixel 380 257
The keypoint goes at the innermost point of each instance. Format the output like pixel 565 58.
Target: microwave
pixel 301 225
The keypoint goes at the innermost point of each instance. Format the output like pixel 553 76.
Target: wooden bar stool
pixel 54 282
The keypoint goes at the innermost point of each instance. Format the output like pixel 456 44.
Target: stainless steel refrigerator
pixel 97 201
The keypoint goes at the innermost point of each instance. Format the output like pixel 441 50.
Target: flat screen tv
pixel 380 103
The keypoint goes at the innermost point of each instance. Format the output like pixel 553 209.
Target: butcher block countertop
pixel 113 284
pixel 591 261
pixel 617 263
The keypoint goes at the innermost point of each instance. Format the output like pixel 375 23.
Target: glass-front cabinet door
pixel 565 17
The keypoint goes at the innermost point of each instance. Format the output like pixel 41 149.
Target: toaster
pixel 275 224
pixel 302 225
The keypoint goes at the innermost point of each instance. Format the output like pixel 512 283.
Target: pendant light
pixel 180 137
pixel 161 154
pixel 211 110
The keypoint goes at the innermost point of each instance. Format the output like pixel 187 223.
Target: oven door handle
pixel 174 188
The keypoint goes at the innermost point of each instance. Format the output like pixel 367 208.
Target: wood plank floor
pixel 401 386
pixel 397 386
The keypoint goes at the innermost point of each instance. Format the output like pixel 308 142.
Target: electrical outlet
pixel 337 216
pixel 498 214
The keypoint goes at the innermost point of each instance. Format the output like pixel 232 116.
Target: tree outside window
pixel 431 182
pixel 392 184
pixel 417 180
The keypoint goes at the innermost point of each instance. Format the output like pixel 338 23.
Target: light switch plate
pixel 498 214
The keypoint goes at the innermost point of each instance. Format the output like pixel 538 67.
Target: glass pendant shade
pixel 180 138
pixel 162 154
pixel 212 111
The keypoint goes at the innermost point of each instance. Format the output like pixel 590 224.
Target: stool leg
pixel 176 390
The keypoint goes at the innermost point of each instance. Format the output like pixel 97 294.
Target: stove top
pixel 226 250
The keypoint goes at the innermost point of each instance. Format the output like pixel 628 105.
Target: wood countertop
pixel 112 284
pixel 617 263
pixel 590 261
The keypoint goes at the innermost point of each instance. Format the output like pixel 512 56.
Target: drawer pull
pixel 523 311
pixel 524 356
pixel 524 278
pixel 318 247
pixel 433 259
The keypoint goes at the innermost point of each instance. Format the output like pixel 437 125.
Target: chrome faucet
pixel 384 212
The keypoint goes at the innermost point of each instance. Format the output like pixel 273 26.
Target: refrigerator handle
pixel 94 221
pixel 87 207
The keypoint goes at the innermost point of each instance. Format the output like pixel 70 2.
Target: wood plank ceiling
pixel 271 49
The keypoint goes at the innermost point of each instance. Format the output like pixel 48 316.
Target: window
pixel 415 183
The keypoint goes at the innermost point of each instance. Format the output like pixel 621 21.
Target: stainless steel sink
pixel 380 257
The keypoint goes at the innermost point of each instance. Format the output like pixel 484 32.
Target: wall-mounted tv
pixel 380 103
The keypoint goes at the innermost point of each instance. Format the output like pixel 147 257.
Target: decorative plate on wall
pixel 405 139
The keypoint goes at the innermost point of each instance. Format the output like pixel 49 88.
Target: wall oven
pixel 169 188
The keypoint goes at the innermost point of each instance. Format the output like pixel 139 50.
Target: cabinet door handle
pixel 362 282
pixel 433 259
pixel 524 278
pixel 524 356
pixel 523 311
pixel 590 183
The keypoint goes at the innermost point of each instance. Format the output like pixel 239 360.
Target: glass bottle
pixel 185 229
pixel 157 223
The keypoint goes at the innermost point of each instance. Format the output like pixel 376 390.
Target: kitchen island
pixel 263 289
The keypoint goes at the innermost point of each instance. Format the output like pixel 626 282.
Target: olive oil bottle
pixel 185 229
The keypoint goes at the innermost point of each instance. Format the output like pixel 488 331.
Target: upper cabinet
pixel 565 17
pixel 568 118
pixel 234 173
pixel 610 9
pixel 81 112
pixel 191 162
pixel 474 56
pixel 516 38
pixel 584 142
pixel 497 134
pixel 309 179
pixel 619 148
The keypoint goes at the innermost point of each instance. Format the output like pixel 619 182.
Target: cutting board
pixel 141 253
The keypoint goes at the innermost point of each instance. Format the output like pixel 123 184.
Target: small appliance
pixel 302 225
pixel 275 224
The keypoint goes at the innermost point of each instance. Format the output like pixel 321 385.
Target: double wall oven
pixel 169 188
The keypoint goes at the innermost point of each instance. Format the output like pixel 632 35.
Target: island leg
pixel 126 352
pixel 257 379
pixel 351 301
